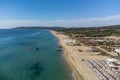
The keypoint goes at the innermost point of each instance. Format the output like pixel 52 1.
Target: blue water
pixel 19 62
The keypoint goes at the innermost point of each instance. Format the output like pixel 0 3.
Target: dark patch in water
pixel 24 43
pixel 3 77
pixel 36 70
pixel 33 38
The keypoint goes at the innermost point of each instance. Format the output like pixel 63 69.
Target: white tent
pixel 111 65
pixel 117 50
pixel 112 60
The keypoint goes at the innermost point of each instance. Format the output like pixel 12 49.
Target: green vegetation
pixel 104 54
pixel 92 32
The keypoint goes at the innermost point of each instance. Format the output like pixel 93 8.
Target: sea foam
pixel 73 75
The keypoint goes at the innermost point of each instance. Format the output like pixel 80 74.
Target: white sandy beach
pixel 74 58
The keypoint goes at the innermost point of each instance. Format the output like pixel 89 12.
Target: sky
pixel 65 13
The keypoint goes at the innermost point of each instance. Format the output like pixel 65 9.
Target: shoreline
pixel 76 76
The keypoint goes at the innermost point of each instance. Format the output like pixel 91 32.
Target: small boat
pixel 58 49
pixel 36 48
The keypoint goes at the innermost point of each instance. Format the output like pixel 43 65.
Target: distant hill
pixel 111 27
pixel 48 28
pixel 101 27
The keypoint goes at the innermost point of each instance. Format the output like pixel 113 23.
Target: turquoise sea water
pixel 18 62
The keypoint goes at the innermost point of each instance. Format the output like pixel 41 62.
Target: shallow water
pixel 20 60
